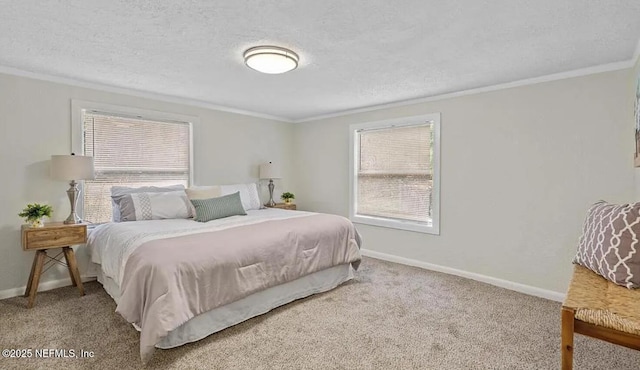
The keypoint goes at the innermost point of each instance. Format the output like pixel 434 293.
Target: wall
pixel 634 82
pixel 519 168
pixel 35 122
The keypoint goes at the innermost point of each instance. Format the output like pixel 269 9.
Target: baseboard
pixel 43 286
pixel 526 289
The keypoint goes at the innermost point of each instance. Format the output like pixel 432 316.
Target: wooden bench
pixel 598 308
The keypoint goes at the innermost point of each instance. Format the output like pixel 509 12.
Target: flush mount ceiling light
pixel 271 59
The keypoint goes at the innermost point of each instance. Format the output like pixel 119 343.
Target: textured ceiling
pixel 354 53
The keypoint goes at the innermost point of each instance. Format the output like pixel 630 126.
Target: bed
pixel 178 281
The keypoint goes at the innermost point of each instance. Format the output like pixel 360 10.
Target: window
pixel 395 173
pixel 131 150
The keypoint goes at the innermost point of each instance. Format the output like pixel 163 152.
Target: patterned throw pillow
pixel 215 208
pixel 118 191
pixel 153 206
pixel 610 244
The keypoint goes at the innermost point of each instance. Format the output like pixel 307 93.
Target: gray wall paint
pixel 635 74
pixel 35 122
pixel 519 168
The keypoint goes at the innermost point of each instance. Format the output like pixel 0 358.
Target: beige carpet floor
pixel 390 317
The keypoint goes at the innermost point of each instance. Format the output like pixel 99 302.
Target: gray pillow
pixel 153 206
pixel 609 243
pixel 215 208
pixel 117 191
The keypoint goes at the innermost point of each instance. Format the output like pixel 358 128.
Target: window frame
pixel 354 156
pixel 78 107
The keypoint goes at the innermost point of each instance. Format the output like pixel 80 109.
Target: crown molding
pixel 137 93
pixel 529 81
pixel 202 104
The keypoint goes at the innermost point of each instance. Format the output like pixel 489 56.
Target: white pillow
pixel 153 206
pixel 203 192
pixel 122 190
pixel 248 194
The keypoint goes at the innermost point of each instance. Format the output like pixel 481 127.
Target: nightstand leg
pixel 73 278
pixel 73 268
pixel 33 288
pixel 33 269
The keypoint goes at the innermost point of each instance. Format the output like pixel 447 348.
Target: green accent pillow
pixel 221 207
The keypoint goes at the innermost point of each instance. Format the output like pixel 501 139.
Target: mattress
pixel 111 244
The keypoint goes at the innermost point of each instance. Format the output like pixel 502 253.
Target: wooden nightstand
pixel 290 206
pixel 53 235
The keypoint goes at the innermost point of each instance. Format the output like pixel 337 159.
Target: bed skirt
pixel 236 312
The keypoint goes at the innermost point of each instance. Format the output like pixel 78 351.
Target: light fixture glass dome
pixel 271 59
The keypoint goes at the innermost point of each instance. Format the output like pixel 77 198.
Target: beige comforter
pixel 169 281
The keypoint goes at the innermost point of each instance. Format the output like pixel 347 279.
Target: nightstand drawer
pixel 54 237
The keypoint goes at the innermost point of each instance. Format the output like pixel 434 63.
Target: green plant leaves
pixel 34 211
pixel 287 195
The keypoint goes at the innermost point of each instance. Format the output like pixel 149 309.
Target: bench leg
pixel 568 316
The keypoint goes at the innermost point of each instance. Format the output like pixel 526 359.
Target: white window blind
pixel 395 172
pixel 134 152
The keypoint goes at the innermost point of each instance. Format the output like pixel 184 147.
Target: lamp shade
pixel 72 167
pixel 269 171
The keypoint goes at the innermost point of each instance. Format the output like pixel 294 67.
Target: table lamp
pixel 270 171
pixel 71 168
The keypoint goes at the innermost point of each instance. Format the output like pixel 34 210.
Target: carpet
pixel 390 316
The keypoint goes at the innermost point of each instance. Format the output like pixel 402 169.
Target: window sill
pixel 419 227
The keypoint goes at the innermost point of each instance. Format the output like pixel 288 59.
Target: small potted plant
pixel 34 214
pixel 287 197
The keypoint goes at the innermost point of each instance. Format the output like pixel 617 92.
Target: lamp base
pixel 73 194
pixel 73 219
pixel 271 203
